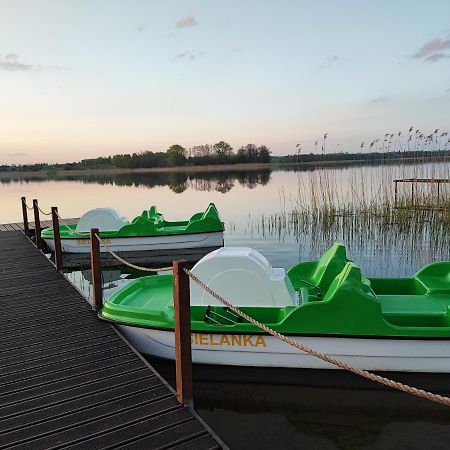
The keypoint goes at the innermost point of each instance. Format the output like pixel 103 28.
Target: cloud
pixel 188 55
pixel 16 155
pixel 436 57
pixel 11 63
pixel 186 22
pixel 432 50
pixel 139 28
pixel 381 99
pixel 331 60
pixel 447 90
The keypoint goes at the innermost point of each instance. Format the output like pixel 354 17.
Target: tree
pixel 252 152
pixel 223 151
pixel 241 156
pixel 264 154
pixel 176 155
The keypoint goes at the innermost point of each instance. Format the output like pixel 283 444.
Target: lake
pixel 289 215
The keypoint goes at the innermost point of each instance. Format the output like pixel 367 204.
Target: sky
pixel 85 78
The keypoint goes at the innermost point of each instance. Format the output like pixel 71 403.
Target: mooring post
pixel 56 238
pixel 182 322
pixel 37 223
pixel 26 229
pixel 96 270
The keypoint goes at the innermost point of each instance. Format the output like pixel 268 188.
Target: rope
pixel 45 214
pixel 126 263
pixel 336 362
pixel 69 230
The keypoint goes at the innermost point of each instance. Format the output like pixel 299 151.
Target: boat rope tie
pixel 126 263
pixel 29 207
pixel 334 361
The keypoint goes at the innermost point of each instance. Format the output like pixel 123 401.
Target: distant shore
pixel 198 168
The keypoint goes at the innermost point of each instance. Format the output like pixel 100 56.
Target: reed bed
pixel 358 207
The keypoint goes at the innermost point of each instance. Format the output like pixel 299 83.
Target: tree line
pixel 359 156
pixel 176 155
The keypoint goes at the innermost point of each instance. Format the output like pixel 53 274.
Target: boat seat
pixel 435 277
pixel 350 275
pixel 150 215
pixel 317 276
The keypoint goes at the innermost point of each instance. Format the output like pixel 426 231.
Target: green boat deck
pixel 335 299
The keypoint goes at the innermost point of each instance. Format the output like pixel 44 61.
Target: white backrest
pixel 105 219
pixel 243 277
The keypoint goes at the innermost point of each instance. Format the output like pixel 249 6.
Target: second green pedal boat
pixel 147 232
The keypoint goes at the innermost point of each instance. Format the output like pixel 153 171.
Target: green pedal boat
pixel 398 324
pixel 147 232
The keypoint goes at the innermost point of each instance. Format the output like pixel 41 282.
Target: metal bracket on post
pixel 96 270
pixel 182 322
pixel 37 224
pixel 56 238
pixel 26 228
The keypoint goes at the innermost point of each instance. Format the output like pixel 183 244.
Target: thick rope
pixel 69 230
pixel 43 212
pixel 336 362
pixel 126 263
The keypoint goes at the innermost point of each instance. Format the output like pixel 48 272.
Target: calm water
pixel 261 415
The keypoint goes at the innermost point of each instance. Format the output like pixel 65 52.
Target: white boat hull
pixel 145 243
pixel 403 355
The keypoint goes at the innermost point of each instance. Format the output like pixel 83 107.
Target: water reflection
pixel 178 182
pixel 315 409
pixel 318 418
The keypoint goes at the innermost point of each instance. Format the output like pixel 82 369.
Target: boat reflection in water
pixel 316 410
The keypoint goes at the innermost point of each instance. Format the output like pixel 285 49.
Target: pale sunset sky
pixel 84 78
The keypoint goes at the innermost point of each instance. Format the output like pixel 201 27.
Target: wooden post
pixel 96 271
pixel 37 223
pixel 26 228
pixel 182 322
pixel 56 238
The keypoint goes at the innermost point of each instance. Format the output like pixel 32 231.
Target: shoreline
pixel 205 168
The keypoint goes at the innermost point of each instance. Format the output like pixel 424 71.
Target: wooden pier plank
pixel 70 380
pixel 18 226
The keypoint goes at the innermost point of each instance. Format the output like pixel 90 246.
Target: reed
pixel 358 207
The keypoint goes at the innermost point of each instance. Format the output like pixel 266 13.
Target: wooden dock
pixel 68 380
pixel 18 226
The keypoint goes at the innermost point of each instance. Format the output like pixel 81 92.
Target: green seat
pixel 350 276
pixel 435 277
pixel 317 276
pixel 330 264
